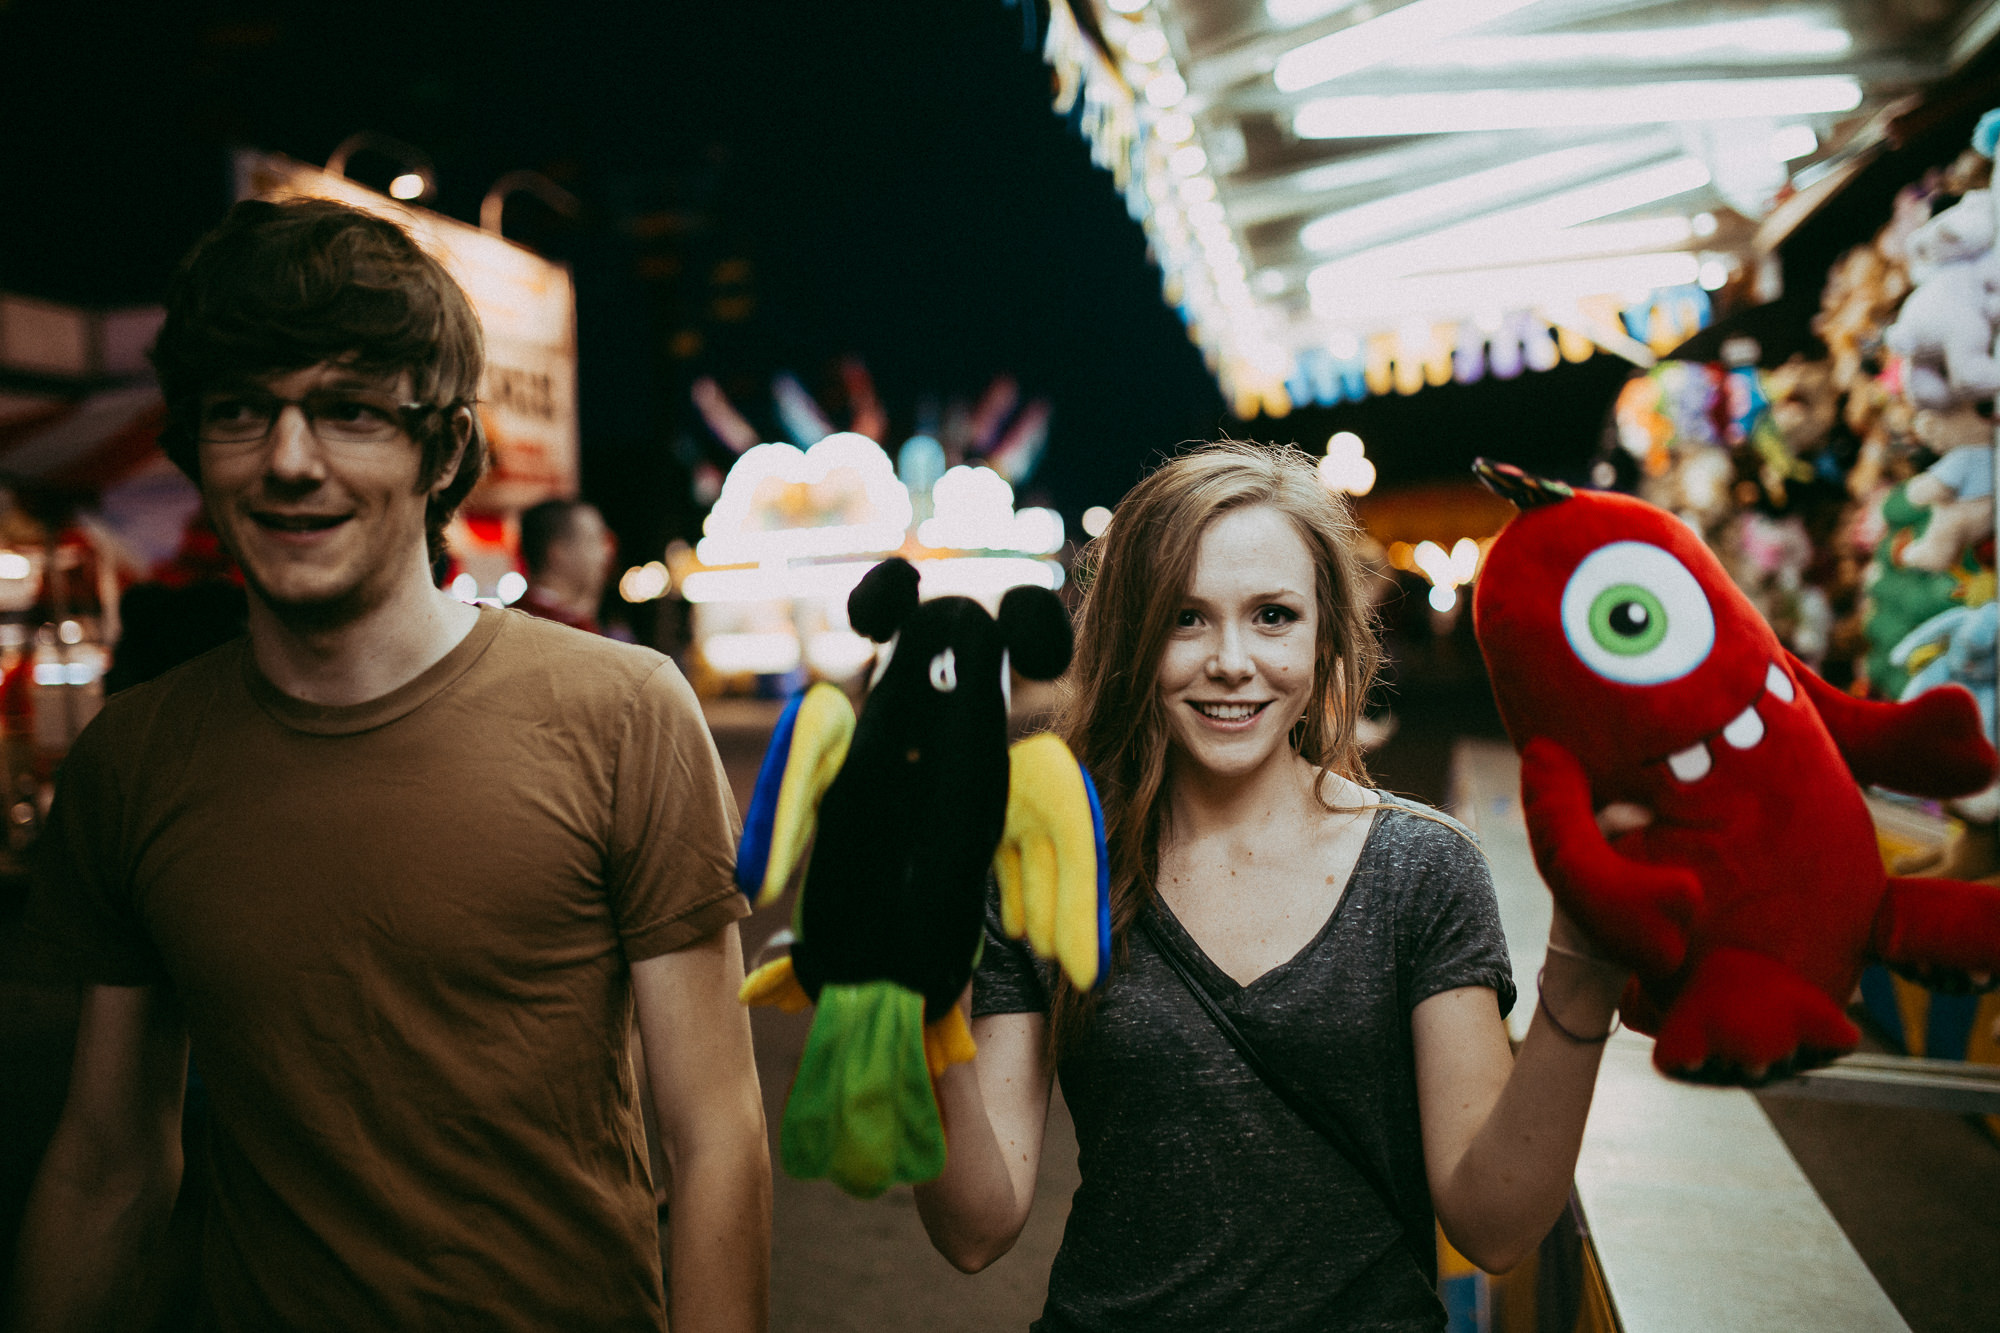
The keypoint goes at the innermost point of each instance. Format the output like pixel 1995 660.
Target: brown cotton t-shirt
pixel 400 932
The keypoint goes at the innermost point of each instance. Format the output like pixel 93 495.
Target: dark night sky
pixel 891 171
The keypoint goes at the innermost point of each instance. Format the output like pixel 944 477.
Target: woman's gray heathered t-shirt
pixel 1208 1204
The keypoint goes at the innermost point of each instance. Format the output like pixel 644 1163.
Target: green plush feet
pixel 862 1113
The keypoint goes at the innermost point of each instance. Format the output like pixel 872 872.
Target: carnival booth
pixel 87 505
pixel 1353 200
pixel 1849 492
pixel 794 527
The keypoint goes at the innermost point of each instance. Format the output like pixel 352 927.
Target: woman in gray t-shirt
pixel 1224 653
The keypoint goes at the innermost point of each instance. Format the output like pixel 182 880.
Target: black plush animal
pixel 910 806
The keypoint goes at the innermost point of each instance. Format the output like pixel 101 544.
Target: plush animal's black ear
pixel 1035 628
pixel 883 600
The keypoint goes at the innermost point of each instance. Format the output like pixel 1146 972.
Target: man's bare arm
pixel 107 1183
pixel 711 1113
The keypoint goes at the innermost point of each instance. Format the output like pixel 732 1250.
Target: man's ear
pixel 1035 627
pixel 461 436
pixel 883 600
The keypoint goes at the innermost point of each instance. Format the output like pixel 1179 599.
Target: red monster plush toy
pixel 1631 672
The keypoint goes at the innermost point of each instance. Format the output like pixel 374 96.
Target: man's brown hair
pixel 280 286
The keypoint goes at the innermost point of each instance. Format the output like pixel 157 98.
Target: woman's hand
pixel 994 1110
pixel 1579 987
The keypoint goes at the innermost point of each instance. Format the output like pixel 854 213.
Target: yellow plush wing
pixel 1050 862
pixel 820 735
pixel 775 984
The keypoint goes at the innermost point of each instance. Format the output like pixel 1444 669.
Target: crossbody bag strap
pixel 1303 1105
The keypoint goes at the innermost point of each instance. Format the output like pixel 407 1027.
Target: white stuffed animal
pixel 1945 328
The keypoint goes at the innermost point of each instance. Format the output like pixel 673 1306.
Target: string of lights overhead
pixel 1350 196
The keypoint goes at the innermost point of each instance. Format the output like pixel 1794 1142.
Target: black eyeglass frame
pixel 412 416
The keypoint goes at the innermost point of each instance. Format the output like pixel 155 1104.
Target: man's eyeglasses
pixel 334 416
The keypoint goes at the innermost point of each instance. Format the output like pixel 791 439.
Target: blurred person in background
pixel 568 551
pixel 193 602
pixel 400 869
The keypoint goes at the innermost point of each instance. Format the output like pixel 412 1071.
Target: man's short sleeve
pixel 82 920
pixel 673 826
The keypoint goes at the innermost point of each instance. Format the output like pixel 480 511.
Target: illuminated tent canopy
pixel 793 530
pixel 1350 196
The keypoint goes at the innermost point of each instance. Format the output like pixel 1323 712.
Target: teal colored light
pixel 920 462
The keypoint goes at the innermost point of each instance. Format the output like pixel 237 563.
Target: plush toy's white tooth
pixel 1691 764
pixel 1745 730
pixel 1778 683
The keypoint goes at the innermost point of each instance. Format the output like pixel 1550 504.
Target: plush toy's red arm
pixel 1944 924
pixel 1640 914
pixel 1931 746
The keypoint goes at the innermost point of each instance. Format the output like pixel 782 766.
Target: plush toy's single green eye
pixel 1627 619
pixel 1635 614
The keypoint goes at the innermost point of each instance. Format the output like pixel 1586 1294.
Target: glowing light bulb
pixel 1794 141
pixel 1198 190
pixel 1166 89
pixel 1147 45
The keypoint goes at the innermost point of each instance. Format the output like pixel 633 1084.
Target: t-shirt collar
pixel 348 719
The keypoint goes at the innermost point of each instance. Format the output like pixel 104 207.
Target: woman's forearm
pixel 1514 1178
pixel 994 1109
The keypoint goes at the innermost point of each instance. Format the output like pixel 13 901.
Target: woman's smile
pixel 1228 714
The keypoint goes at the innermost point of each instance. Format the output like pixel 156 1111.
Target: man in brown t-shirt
pixel 402 869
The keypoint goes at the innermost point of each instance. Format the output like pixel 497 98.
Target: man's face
pixel 324 515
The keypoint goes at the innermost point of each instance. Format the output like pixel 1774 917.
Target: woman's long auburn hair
pixel 1134 578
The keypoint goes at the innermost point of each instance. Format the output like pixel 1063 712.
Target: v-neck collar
pixel 1173 935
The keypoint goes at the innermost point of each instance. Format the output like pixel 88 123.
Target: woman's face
pixel 1237 673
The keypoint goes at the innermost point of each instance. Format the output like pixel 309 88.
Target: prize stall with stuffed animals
pixel 1850 495
pixel 1351 200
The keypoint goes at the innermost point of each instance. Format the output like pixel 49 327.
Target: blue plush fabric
pixel 753 853
pixel 1103 882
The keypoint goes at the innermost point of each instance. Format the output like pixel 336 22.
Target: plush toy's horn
pixel 1519 488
